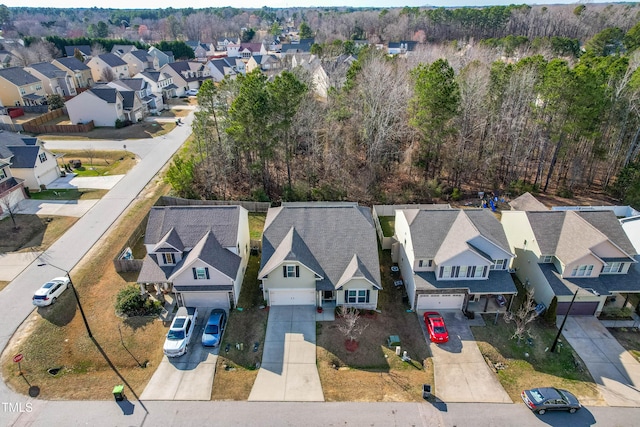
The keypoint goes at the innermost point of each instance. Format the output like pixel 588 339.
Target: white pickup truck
pixel 180 332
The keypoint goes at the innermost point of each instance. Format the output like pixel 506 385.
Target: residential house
pixel 401 47
pixel 107 67
pixel 11 188
pixel 302 46
pixel 17 87
pixel 153 103
pixel 202 51
pixel 263 63
pixel 233 50
pixel 84 49
pixel 31 164
pixel 164 57
pixel 186 75
pixel 247 50
pixel 314 66
pixel 161 84
pixel 139 61
pixel 221 44
pixel 199 252
pixel 527 202
pixel 55 80
pixel 322 254
pixel 79 72
pixel 121 49
pixel 220 68
pixel 452 259
pixel 103 105
pixel 585 254
pixel 135 101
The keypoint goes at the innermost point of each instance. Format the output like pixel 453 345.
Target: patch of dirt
pixel 34 233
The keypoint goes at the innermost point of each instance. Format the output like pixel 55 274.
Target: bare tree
pixel 107 75
pixel 90 153
pixel 522 317
pixel 351 325
pixel 8 204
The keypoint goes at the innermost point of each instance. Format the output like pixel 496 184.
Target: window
pixel 430 263
pixel 546 259
pixel 23 91
pixel 445 271
pixel 168 258
pixel 613 267
pixel 498 264
pixel 356 296
pixel 43 157
pixel 420 263
pixel 291 271
pixel 462 272
pixel 3 174
pixel 582 270
pixel 200 273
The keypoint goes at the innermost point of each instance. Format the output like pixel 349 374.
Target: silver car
pixel 50 291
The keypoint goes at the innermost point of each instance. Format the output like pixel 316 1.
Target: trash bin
pixel 426 391
pixel 118 392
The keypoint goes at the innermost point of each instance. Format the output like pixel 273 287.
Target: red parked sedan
pixel 435 325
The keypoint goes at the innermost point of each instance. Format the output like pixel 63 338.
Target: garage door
pixel 49 176
pixel 578 308
pixel 206 299
pixel 440 301
pixel 292 297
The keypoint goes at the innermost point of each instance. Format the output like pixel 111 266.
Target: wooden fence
pixel 37 125
pixel 123 265
pixel 250 206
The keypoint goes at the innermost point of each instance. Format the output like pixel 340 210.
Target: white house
pixel 103 105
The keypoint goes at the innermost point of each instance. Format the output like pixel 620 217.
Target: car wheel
pixel 53 301
pixel 572 410
pixel 542 411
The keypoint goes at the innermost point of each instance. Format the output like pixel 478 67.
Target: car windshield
pixel 175 335
pixel 211 329
pixel 536 395
pixel 439 330
pixel 48 285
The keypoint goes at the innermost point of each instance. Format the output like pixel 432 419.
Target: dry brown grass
pixel 135 131
pixel 3 284
pixel 35 233
pixel 56 336
pixel 104 162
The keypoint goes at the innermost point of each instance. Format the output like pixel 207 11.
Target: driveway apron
pixel 461 373
pixel 615 371
pixel 288 371
pixel 188 377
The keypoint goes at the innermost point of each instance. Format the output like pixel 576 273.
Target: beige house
pixel 108 67
pixel 77 70
pixel 567 253
pixel 55 80
pixel 139 61
pixel 323 254
pixel 18 88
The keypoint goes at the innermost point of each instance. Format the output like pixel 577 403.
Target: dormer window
pixel 498 264
pixel 168 258
pixel 546 259
pixel 582 270
pixel 613 267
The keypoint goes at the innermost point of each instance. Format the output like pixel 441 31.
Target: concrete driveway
pixel 188 377
pixel 461 373
pixel 75 208
pixel 288 371
pixel 12 264
pixel 104 182
pixel 616 372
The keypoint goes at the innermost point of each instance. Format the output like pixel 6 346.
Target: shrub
pixel 129 302
pixel 119 124
pixel 551 311
pixel 456 194
pixel 565 193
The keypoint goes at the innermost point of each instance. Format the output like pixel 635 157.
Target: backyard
pixel 98 162
pixel 140 130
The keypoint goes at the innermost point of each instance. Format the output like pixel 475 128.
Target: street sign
pixel 18 358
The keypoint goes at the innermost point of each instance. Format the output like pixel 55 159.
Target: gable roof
pixel 192 222
pixel 324 236
pixel 210 251
pixel 443 233
pixel 121 49
pixel 23 151
pixel 172 239
pixel 128 99
pixel 47 69
pixel 112 60
pixel 141 55
pixel 83 48
pixel 527 202
pixel 106 93
pixel 73 63
pixel 18 76
pixel 133 83
pixel 155 76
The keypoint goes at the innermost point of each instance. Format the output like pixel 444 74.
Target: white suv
pixel 180 332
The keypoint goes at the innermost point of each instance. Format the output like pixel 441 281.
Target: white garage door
pixel 292 297
pixel 440 301
pixel 206 299
pixel 48 177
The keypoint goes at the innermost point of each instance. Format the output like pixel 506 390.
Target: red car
pixel 435 325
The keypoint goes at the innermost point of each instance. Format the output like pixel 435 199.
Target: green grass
pixel 388 225
pixel 68 194
pixel 256 224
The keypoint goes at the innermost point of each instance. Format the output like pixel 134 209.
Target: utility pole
pixel 555 342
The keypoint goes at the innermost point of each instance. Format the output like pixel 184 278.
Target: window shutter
pixel 484 271
pixel 368 293
pixel 195 275
pixel 297 271
pixel 346 297
pixel 284 271
pixel 441 271
pixel 206 272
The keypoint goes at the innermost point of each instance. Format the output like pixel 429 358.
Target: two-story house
pixel 17 87
pixel 83 49
pixel 187 75
pixel 199 252
pixel 121 49
pixel 263 63
pixel 107 67
pixel 452 258
pixel 220 68
pixel 11 188
pixel 567 253
pixel 77 70
pixel 322 254
pixel 104 105
pixel 163 57
pixel 139 61
pixel 55 80
pixel 34 166
pixel 401 47
pixel 152 103
pixel 161 84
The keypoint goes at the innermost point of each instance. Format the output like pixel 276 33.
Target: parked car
pixel 436 327
pixel 180 332
pixel 545 399
pixel 501 300
pixel 213 329
pixel 50 291
pixel 192 92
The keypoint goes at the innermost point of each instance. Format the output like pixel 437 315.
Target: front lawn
pixel 34 233
pixel 373 373
pixel 98 162
pixel 68 194
pixel 530 364
pixel 140 130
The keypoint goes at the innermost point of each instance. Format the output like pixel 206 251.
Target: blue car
pixel 214 328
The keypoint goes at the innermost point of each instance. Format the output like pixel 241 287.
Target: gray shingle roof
pixel 128 99
pixel 499 282
pixel 151 272
pixel 134 84
pixel 18 76
pixel 332 232
pixel 48 69
pixel 24 156
pixel 84 48
pixel 73 63
pixel 172 239
pixel 141 55
pixel 209 250
pixel 527 202
pixel 105 93
pixel 112 60
pixel 607 223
